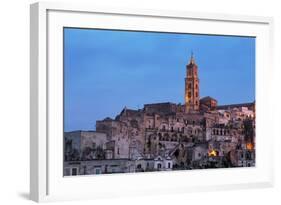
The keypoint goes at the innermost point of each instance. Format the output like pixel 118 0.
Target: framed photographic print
pixel 127 102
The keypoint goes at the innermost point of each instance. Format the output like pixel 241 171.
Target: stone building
pixel 208 103
pixel 85 145
pixel 166 136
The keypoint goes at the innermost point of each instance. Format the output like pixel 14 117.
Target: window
pixel 74 171
pixel 196 94
pixel 189 94
pixel 98 171
pixel 169 165
pixel 159 166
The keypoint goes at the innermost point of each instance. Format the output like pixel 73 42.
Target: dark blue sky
pixel 107 70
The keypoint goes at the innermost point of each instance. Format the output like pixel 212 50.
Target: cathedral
pixel 166 136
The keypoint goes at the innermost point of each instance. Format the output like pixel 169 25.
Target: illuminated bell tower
pixel 191 86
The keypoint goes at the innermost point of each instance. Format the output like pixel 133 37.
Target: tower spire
pixel 192 60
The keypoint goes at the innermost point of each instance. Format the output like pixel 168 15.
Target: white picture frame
pixel 46 134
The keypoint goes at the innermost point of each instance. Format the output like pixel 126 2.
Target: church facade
pixel 166 136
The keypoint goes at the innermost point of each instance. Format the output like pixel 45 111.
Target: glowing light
pixel 249 146
pixel 212 153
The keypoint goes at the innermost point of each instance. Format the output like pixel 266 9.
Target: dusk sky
pixel 106 70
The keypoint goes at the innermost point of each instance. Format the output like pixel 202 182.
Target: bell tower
pixel 191 86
